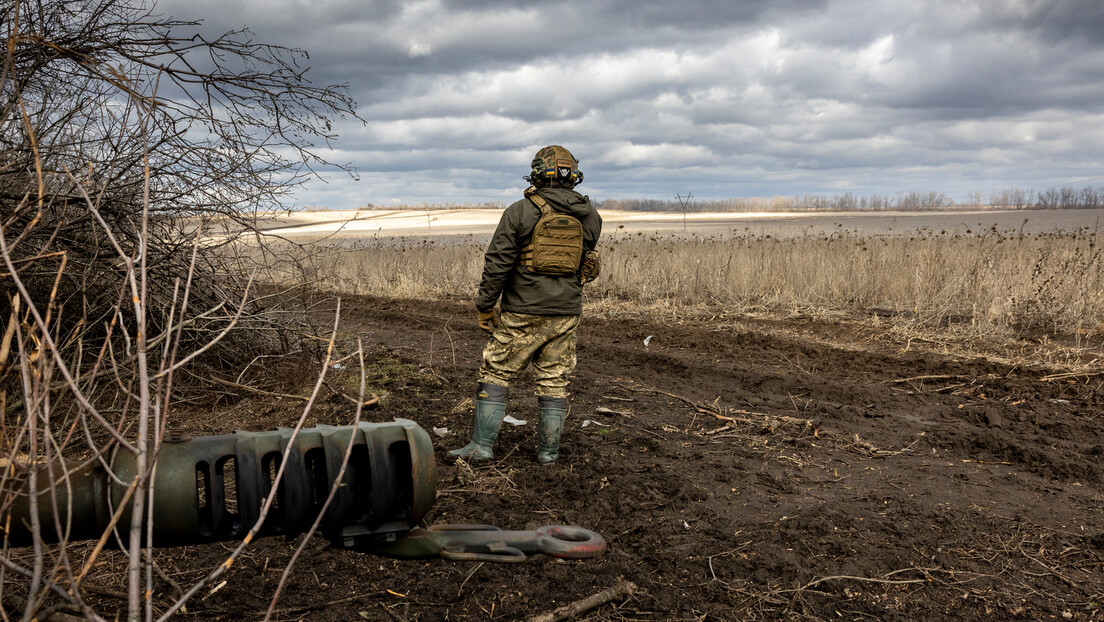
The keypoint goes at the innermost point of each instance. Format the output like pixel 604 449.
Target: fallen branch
pixel 769 420
pixel 885 454
pixel 246 387
pixel 858 442
pixel 931 377
pixel 621 590
pixel 1072 374
pixel 618 399
pixel 844 577
pixel 369 403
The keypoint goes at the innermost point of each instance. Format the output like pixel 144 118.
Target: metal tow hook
pixel 486 543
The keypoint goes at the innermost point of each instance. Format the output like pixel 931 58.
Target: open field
pixel 480 223
pixel 741 467
pixel 999 278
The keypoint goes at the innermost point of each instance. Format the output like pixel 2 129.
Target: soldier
pixel 540 256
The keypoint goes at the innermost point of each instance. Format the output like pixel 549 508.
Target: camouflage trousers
pixel 546 341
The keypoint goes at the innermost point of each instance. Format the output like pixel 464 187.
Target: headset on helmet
pixel 555 166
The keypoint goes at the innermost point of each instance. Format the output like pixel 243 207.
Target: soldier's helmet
pixel 555 166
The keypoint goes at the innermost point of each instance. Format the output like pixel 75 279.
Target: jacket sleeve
pixel 500 259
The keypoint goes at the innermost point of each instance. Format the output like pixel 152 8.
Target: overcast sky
pixel 721 98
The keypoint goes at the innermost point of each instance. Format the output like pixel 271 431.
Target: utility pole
pixel 685 203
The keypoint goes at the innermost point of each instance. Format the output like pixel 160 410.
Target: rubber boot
pixel 490 408
pixel 553 411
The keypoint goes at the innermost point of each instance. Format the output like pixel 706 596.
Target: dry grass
pixel 990 281
pixel 423 269
pixel 986 282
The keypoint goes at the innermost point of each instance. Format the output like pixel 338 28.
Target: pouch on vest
pixel 556 248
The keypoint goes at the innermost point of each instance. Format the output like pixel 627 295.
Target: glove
pixel 488 321
pixel 590 267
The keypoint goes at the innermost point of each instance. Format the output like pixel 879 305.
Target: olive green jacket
pixel 522 291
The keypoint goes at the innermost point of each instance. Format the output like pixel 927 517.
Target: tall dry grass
pixel 987 280
pixel 990 280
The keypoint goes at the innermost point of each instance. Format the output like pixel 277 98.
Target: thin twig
pixel 1072 374
pixel 267 505
pixel 465 581
pixel 246 387
pixel 337 484
pixel 932 377
pixel 843 577
pixel 621 590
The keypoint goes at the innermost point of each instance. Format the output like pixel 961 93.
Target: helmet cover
pixel 556 165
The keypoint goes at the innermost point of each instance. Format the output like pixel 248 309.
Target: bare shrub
pixel 123 130
pixel 125 139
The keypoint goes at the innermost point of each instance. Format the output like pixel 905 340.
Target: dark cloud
pixel 1052 20
pixel 722 98
pixel 692 15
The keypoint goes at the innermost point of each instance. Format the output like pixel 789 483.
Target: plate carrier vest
pixel 556 248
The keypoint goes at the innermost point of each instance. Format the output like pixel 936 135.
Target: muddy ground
pixel 750 469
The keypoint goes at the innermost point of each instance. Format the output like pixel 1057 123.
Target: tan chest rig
pixel 556 248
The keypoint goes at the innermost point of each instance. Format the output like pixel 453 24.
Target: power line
pixel 684 202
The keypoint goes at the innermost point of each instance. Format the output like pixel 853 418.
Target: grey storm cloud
pixel 716 97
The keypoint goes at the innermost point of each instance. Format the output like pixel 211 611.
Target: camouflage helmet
pixel 555 166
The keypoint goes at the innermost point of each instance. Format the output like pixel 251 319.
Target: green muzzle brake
pixel 213 488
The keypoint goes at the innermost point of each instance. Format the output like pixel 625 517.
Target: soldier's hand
pixel 488 321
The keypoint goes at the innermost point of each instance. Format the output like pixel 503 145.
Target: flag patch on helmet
pixel 555 162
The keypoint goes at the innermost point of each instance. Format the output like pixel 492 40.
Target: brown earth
pixel 751 469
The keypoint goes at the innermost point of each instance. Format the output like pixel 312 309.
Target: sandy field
pixel 481 222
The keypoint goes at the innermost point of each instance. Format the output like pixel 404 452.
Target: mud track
pixel 739 468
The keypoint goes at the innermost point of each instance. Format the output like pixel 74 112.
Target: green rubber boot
pixel 490 408
pixel 553 411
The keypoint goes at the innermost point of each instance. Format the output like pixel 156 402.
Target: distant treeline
pixel 1062 197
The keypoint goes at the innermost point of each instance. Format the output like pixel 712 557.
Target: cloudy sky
pixel 721 98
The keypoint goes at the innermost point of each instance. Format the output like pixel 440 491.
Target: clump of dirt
pixel 738 468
